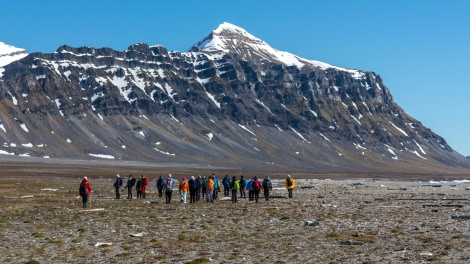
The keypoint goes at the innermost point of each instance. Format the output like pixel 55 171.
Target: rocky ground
pixel 352 221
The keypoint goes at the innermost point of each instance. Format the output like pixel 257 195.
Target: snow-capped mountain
pixel 9 54
pixel 231 100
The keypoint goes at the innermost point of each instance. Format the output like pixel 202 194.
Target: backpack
pixel 289 182
pixel 266 185
pixel 256 185
pixel 193 184
pixel 132 183
pixel 236 185
pixel 210 185
pixel 169 188
pixel 243 183
pixel 160 182
pixel 82 190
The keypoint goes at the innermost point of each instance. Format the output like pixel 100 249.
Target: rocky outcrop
pixel 231 100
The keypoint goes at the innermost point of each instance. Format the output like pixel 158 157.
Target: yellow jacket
pixel 290 187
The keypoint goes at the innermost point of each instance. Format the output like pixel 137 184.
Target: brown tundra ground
pixel 359 220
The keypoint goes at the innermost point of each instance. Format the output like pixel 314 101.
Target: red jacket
pixel 87 186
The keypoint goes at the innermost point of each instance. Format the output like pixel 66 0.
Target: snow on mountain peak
pixel 9 54
pixel 229 38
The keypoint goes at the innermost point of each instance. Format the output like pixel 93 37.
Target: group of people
pixel 199 188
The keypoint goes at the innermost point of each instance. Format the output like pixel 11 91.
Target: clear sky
pixel 420 48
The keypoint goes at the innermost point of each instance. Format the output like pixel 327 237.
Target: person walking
pixel 117 185
pixel 169 188
pixel 249 187
pixel 242 187
pixel 267 187
pixel 130 183
pixel 193 187
pixel 160 185
pixel 216 190
pixel 235 185
pixel 85 190
pixel 199 191
pixel 183 189
pixel 256 188
pixel 289 183
pixel 226 183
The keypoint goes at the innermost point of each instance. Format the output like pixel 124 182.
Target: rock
pixel 351 243
pixel 379 199
pixel 100 244
pixel 461 216
pixel 137 234
pixel 311 223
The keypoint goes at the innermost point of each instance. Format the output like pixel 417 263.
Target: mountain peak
pixel 9 54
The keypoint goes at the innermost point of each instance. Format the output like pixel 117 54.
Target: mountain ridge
pixel 245 105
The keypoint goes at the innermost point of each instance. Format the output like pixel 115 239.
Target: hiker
pixel 169 188
pixel 203 186
pixel 249 187
pixel 193 187
pixel 138 188
pixel 256 188
pixel 290 185
pixel 210 189
pixel 235 185
pixel 226 183
pixel 242 187
pixel 183 189
pixel 130 183
pixel 199 188
pixel 215 192
pixel 84 190
pixel 160 185
pixel 267 186
pixel 117 185
pixel 143 186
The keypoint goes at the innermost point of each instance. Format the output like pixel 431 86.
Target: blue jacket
pixel 249 185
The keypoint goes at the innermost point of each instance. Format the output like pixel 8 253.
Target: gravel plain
pixel 327 221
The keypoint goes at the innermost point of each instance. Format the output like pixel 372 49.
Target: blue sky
pixel 420 48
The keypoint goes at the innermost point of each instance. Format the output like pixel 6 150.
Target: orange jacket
pixel 184 186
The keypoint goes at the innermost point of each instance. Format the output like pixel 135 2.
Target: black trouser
pixel 251 195
pixel 202 193
pixel 234 196
pixel 242 192
pixel 215 194
pixel 256 193
pixel 139 194
pixel 226 191
pixel 160 193
pixel 192 196
pixel 290 192
pixel 168 196
pixel 266 194
pixel 84 200
pixel 129 192
pixel 118 194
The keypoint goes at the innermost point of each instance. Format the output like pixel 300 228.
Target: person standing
pixel 160 185
pixel 85 190
pixel 216 190
pixel 267 186
pixel 144 184
pixel 289 183
pixel 235 185
pixel 117 185
pixel 226 183
pixel 183 189
pixel 203 186
pixel 249 187
pixel 138 188
pixel 210 189
pixel 256 188
pixel 193 187
pixel 199 188
pixel 242 187
pixel 130 183
pixel 169 188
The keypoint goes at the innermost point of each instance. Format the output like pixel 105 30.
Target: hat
pixel 169 175
pixel 117 175
pixel 184 178
pixel 85 177
pixel 192 177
